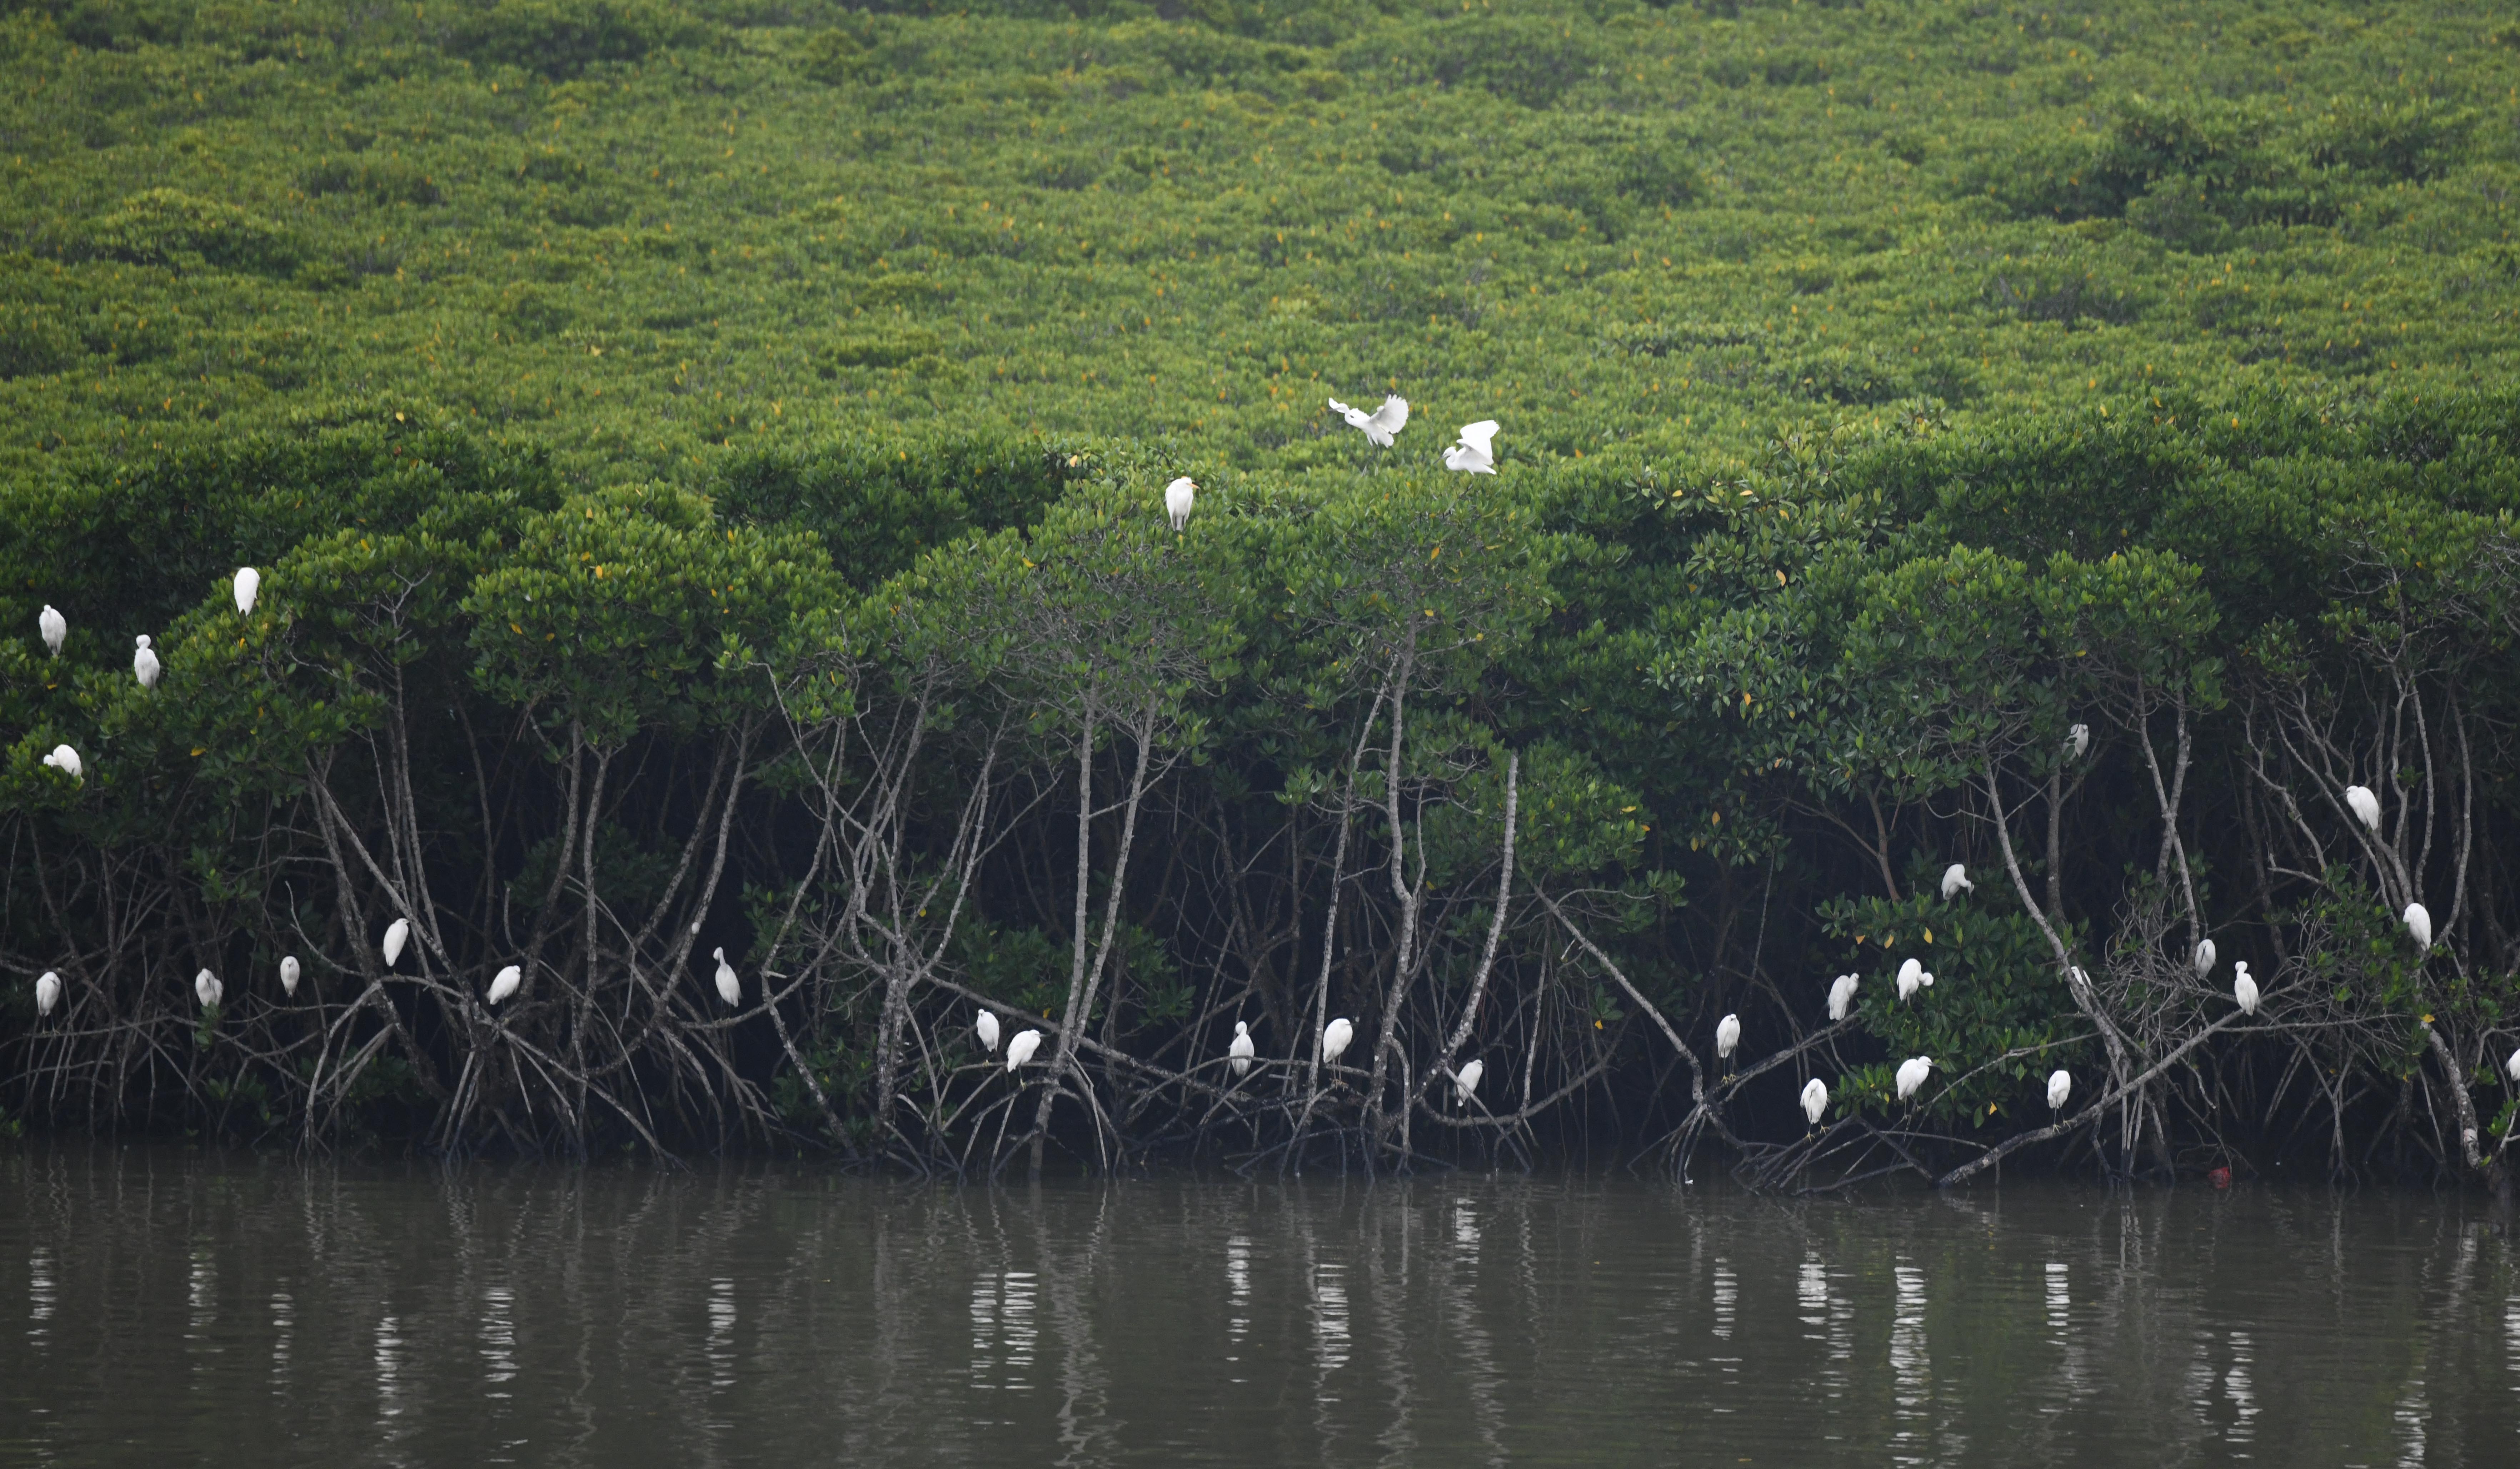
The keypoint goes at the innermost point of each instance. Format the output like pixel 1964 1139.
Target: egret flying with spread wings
pixel 1476 454
pixel 1380 425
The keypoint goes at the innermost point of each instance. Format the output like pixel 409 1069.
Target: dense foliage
pixel 705 467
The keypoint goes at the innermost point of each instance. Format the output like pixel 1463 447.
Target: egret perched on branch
pixel 728 989
pixel 2060 1085
pixel 987 1027
pixel 1913 977
pixel 1380 425
pixel 2204 957
pixel 144 663
pixel 1019 1050
pixel 1728 1037
pixel 2419 925
pixel 1465 1082
pixel 2365 805
pixel 1476 454
pixel 206 986
pixel 1334 1038
pixel 1241 1051
pixel 2243 989
pixel 397 934
pixel 249 585
pixel 47 992
pixel 1815 1099
pixel 65 759
pixel 288 974
pixel 1956 881
pixel 1178 496
pixel 1912 1075
pixel 2511 1067
pixel 2080 737
pixel 1841 995
pixel 504 983
pixel 56 627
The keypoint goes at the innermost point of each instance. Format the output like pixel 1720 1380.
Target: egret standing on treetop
pixel 1178 496
pixel 505 983
pixel 1912 1075
pixel 1476 454
pixel 1841 995
pixel 1815 1099
pixel 2080 737
pixel 249 585
pixel 56 627
pixel 144 663
pixel 65 759
pixel 1465 1082
pixel 2419 925
pixel 2366 806
pixel 288 974
pixel 987 1027
pixel 48 993
pixel 397 934
pixel 1019 1050
pixel 1913 977
pixel 728 989
pixel 1955 880
pixel 1241 1050
pixel 1334 1038
pixel 2243 989
pixel 2204 957
pixel 206 986
pixel 1380 425
pixel 2060 1085
pixel 1727 1035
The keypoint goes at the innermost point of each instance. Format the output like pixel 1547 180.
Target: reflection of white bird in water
pixel 1913 977
pixel 288 974
pixel 65 760
pixel 2204 957
pixel 507 982
pixel 1841 995
pixel 1476 454
pixel 397 934
pixel 1241 1050
pixel 728 990
pixel 2080 737
pixel 249 585
pixel 55 628
pixel 1956 881
pixel 2243 989
pixel 1178 496
pixel 1380 425
pixel 206 986
pixel 1815 1099
pixel 1334 1038
pixel 2419 925
pixel 1465 1082
pixel 47 992
pixel 2060 1085
pixel 144 664
pixel 987 1026
pixel 1019 1050
pixel 2365 805
pixel 1727 1035
pixel 1912 1075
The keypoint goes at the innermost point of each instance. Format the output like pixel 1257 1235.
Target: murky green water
pixel 163 1308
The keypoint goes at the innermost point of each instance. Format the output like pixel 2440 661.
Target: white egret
pixel 2244 989
pixel 2204 957
pixel 2511 1067
pixel 987 1027
pixel 65 759
pixel 1476 454
pixel 729 988
pixel 2060 1085
pixel 206 986
pixel 1380 425
pixel 2366 806
pixel 1019 1050
pixel 1956 881
pixel 1465 1082
pixel 1727 1035
pixel 2080 737
pixel 504 983
pixel 397 934
pixel 2419 925
pixel 1841 995
pixel 1241 1050
pixel 143 663
pixel 1815 1099
pixel 1913 977
pixel 249 585
pixel 2075 977
pixel 56 627
pixel 1912 1075
pixel 47 992
pixel 1334 1038
pixel 288 974
pixel 1178 496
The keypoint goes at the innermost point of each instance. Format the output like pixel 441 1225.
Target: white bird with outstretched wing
pixel 1379 426
pixel 1476 454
